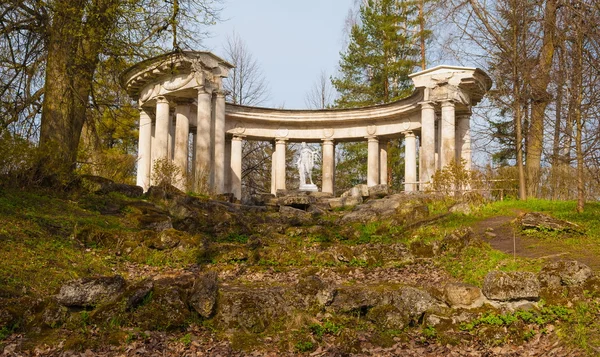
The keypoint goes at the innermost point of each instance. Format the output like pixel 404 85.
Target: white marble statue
pixel 305 163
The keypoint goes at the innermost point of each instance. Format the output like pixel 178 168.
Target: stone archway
pixel 438 112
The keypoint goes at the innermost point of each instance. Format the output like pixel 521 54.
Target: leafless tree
pixel 321 94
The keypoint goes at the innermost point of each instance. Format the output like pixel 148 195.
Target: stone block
pixel 507 286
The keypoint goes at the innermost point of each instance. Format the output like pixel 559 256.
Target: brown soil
pixel 503 233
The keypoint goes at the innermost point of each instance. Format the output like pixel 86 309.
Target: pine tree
pixel 384 48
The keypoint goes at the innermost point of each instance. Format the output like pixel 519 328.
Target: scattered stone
pixel 361 191
pixel 507 286
pixel 388 317
pixel 564 273
pixel 54 314
pixel 463 295
pixel 166 239
pixel 204 293
pixel 87 292
pixel 355 299
pixel 294 216
pixel 415 302
pixel 300 202
pixel 543 222
pixel 490 234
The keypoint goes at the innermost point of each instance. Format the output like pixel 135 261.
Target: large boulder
pixel 564 273
pixel 104 186
pixel 508 286
pixel 87 292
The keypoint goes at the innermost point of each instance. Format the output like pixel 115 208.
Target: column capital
pixel 238 137
pixel 409 134
pixel 427 105
pixel 372 138
pixel 162 100
pixel 281 140
pixel 448 103
pixel 204 89
pixel 327 141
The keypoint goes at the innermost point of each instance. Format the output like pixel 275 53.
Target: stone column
pixel 410 162
pixel 448 142
pixel 228 173
pixel 236 166
pixel 280 164
pixel 161 134
pixel 463 140
pixel 383 162
pixel 219 140
pixel 203 143
pixel 144 151
pixel 373 161
pixel 182 138
pixel 273 169
pixel 328 165
pixel 427 143
pixel 152 151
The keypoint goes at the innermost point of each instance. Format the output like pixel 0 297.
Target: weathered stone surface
pixel 204 294
pixel 261 199
pixel 361 191
pixel 300 202
pixel 295 216
pixel 378 191
pixel 456 241
pixel 357 299
pixel 400 207
pixel 413 301
pixel 163 192
pixel 463 295
pixel 166 309
pixel 310 285
pixel 251 309
pixel 507 286
pixel 136 293
pixel 155 222
pixel 564 273
pixel 388 317
pixel 540 221
pixel 90 291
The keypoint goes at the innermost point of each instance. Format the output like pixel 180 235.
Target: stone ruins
pixel 184 118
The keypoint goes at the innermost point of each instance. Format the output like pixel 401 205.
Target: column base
pixel 309 187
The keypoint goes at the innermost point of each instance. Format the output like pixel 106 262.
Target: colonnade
pixel 185 121
pixel 164 138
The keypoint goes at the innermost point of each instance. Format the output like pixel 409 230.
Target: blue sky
pixel 292 40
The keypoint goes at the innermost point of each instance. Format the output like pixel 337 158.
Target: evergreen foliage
pixel 383 50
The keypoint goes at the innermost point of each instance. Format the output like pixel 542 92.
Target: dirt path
pixel 502 233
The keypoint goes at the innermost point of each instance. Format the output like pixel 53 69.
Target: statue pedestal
pixel 309 187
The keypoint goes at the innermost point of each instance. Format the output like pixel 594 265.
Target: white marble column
pixel 236 166
pixel 463 139
pixel 228 172
pixel 383 162
pixel 448 142
pixel 161 134
pixel 328 165
pixel 373 161
pixel 280 164
pixel 219 142
pixel 152 151
pixel 274 169
pixel 144 151
pixel 427 143
pixel 203 142
pixel 410 162
pixel 182 139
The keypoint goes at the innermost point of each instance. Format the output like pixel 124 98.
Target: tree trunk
pixel 540 100
pixel 74 47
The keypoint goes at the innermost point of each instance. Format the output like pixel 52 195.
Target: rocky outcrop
pixel 510 286
pixel 543 222
pixel 90 291
pixel 459 295
pixel 104 186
